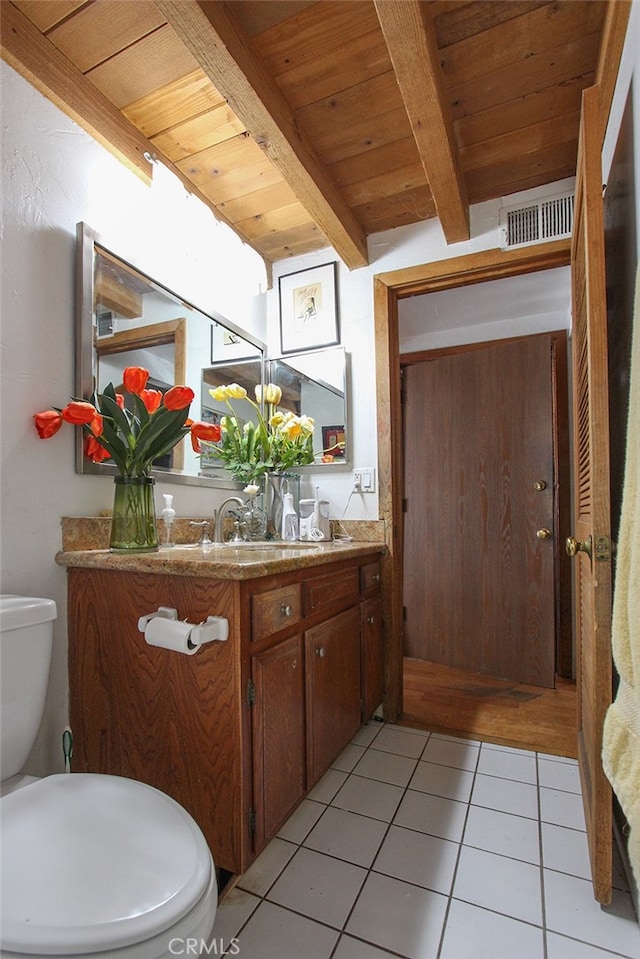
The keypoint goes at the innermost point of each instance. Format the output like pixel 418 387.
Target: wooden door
pixel 278 735
pixel 591 543
pixel 332 651
pixel 479 550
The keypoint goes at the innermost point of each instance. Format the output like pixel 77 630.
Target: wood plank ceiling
pixel 304 123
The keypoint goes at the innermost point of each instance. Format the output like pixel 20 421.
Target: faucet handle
pixel 204 536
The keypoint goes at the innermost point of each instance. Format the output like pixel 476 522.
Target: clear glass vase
pixel 133 524
pixel 253 521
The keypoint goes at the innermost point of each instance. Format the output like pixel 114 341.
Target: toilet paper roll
pixel 170 634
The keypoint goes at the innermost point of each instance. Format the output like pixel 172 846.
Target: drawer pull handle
pixel 321 652
pixel 285 610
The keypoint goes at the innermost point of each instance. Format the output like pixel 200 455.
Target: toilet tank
pixel 26 638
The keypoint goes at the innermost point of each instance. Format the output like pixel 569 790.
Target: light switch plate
pixel 367 477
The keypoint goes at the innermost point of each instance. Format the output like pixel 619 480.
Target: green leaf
pixel 164 428
pixel 108 406
pixel 112 442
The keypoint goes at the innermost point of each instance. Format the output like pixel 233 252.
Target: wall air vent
pixel 104 323
pixel 546 219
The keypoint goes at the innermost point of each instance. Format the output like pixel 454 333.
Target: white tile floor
pixel 428 847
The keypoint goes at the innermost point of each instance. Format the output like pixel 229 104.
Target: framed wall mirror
pixel 126 318
pixel 315 384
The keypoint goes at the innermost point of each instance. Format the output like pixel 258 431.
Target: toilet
pixel 92 865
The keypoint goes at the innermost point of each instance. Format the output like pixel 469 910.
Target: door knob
pixel 573 546
pixel 544 533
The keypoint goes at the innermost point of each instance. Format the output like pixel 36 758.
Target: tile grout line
pixel 457 864
pixel 543 897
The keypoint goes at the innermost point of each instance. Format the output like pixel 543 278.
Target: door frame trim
pixel 388 288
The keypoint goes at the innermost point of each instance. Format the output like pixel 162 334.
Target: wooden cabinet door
pixel 372 656
pixel 278 735
pixel 332 651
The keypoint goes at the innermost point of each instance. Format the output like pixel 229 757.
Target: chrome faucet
pixel 219 515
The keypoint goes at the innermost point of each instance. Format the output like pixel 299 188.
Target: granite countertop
pixel 222 560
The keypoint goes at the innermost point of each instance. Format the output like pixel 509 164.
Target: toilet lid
pixel 92 862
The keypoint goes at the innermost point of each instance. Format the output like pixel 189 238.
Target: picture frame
pixel 309 309
pixel 227 345
pixel 334 442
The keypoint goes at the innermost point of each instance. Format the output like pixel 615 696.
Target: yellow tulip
pixel 272 394
pixel 276 420
pixel 219 393
pixel 236 392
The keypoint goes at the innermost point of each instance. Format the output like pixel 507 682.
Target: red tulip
pixel 151 399
pixel 97 425
pixel 178 397
pixel 208 432
pixel 135 379
pixel 79 412
pixel 48 423
pixel 120 400
pixel 95 451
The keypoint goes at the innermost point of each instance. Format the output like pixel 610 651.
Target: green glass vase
pixel 133 524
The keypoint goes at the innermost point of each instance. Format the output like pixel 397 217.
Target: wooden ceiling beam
pixel 41 63
pixel 411 41
pixel 219 44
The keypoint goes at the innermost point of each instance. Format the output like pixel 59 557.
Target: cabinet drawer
pixel 370 577
pixel 274 610
pixel 332 590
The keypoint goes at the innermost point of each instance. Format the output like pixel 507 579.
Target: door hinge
pixel 252 821
pixel 251 693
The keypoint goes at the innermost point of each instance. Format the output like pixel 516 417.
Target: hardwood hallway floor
pixel 447 700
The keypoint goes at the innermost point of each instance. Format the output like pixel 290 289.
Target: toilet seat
pixel 96 862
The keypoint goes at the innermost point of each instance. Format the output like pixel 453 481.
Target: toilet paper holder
pixel 214 628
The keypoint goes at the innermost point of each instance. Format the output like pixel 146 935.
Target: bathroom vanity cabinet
pixel 239 732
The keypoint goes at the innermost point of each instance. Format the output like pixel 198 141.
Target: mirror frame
pixel 87 242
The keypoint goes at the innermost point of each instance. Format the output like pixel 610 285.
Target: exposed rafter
pixel 225 54
pixel 36 59
pixel 411 41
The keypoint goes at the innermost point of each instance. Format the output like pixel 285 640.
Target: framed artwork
pixel 333 441
pixel 309 309
pixel 227 345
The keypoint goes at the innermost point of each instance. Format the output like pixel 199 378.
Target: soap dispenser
pixel 289 518
pixel 168 515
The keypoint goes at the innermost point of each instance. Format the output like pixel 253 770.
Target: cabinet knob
pixel 376 577
pixel 371 619
pixel 285 610
pixel 321 652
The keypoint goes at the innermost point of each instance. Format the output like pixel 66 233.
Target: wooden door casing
pixel 592 513
pixel 479 583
